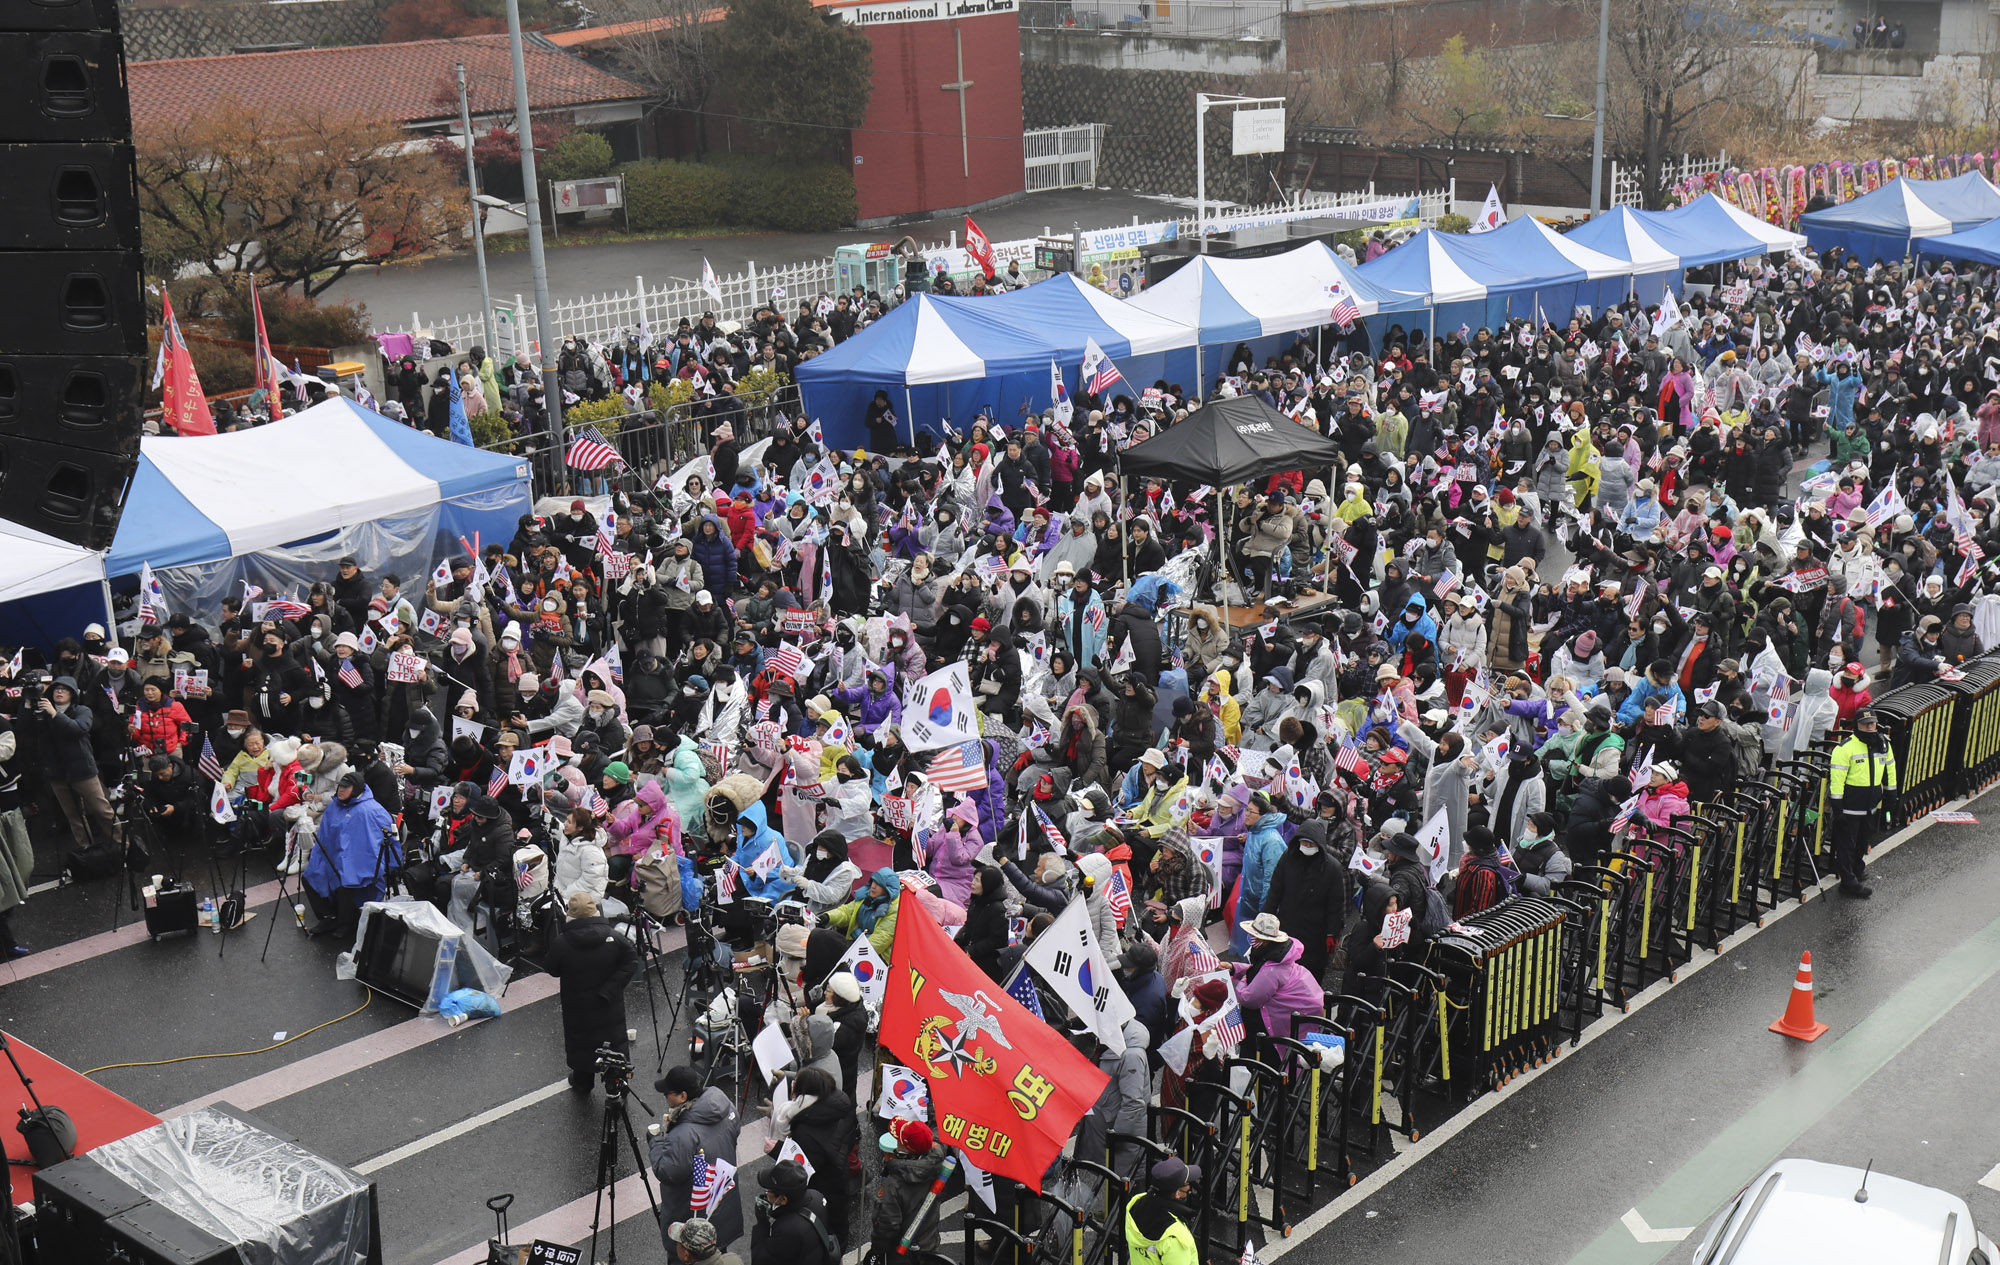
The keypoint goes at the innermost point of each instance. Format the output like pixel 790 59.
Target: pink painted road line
pixel 341 1060
pixel 133 932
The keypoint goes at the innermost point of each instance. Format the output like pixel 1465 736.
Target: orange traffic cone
pixel 1798 1020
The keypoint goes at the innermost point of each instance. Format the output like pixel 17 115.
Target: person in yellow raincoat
pixel 1583 463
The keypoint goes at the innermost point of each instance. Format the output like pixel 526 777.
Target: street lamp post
pixel 1203 100
pixel 537 261
pixel 478 214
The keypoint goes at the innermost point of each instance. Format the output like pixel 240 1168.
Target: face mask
pixel 597 713
pixel 315 702
pixel 1659 628
pixel 234 733
pixel 1308 849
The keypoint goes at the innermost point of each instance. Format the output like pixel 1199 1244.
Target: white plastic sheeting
pixel 274 1201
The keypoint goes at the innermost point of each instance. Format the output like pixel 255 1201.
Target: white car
pixel 1800 1211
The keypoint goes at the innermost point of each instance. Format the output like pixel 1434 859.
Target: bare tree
pixel 1679 57
pixel 668 46
pixel 299 200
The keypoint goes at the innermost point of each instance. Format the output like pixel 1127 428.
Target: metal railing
pixel 652 443
pixel 1062 157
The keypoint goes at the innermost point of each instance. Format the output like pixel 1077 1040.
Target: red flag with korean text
pixel 980 248
pixel 1008 1088
pixel 184 406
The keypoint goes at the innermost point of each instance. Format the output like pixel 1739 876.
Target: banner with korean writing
pixel 1008 1088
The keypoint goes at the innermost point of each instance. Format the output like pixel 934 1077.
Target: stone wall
pixel 1118 50
pixel 1150 113
pixel 216 30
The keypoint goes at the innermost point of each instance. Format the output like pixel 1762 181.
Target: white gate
pixel 1062 157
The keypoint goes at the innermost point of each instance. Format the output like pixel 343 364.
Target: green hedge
pixel 669 197
pixel 741 191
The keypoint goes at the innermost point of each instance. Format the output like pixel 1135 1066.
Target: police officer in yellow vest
pixel 1157 1222
pixel 1862 783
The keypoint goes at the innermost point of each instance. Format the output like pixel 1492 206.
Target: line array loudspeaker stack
pixel 73 319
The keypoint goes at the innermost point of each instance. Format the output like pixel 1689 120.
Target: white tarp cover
pixel 274 1201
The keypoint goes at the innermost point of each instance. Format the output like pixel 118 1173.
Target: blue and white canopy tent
pixel 1264 302
pixel 1522 269
pixel 1980 245
pixel 1709 230
pixel 945 358
pixel 1426 268
pixel 1655 268
pixel 277 506
pixel 1885 223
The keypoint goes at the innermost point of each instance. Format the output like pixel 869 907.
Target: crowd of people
pixel 1583 579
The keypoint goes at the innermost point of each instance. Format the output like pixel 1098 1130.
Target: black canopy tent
pixel 1229 441
pixel 1225 442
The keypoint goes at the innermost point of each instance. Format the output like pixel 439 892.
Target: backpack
pixel 1434 918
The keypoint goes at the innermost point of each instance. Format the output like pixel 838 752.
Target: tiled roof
pixel 402 83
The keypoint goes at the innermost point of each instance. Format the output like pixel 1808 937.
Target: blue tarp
pixel 1882 224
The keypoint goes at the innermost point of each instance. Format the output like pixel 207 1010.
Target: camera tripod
pixel 616 1070
pixel 140 841
pixel 653 966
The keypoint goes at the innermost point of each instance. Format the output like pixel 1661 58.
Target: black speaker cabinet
pixel 60 15
pixel 63 86
pixel 82 401
pixel 73 303
pixel 73 494
pixel 69 197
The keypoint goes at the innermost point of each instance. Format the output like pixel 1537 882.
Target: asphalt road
pixel 449 286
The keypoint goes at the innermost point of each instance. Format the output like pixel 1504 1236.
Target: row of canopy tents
pixel 945 359
pixel 274 506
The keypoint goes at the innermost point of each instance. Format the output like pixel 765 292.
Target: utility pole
pixel 1597 133
pixel 478 213
pixel 538 262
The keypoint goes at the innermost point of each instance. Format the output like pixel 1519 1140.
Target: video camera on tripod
pixel 615 1067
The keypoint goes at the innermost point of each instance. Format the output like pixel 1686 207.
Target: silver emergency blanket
pixel 275 1201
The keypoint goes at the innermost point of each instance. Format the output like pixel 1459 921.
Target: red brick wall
pixel 907 151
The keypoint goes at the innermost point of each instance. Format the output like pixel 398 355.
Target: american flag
pixel 498 782
pixel 350 676
pixel 591 799
pixel 726 881
pixel 961 768
pixel 1093 618
pixel 1626 811
pixel 920 849
pixel 1229 1029
pixel 790 660
pixel 1022 989
pixel 286 608
pixel 1202 959
pixel 1119 897
pixel 1055 836
pixel 209 764
pixel 524 874
pixel 720 752
pixel 703 1191
pixel 1348 760
pixel 589 451
pixel 1446 585
pixel 1345 310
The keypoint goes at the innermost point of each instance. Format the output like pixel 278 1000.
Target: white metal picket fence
pixel 1626 189
pixel 602 317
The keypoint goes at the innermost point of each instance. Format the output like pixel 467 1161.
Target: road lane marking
pixel 1636 1223
pixel 453 1132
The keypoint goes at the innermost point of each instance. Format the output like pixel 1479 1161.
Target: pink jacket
pixel 1281 991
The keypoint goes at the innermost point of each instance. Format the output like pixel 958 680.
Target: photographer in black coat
pixel 64 726
pixel 594 964
pixel 173 801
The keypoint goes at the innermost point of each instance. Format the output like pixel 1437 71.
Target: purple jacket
pixel 876 709
pixel 951 863
pixel 1281 990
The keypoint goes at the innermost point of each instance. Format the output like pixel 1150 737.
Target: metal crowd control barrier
pixel 1919 719
pixel 1975 731
pixel 1501 1009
